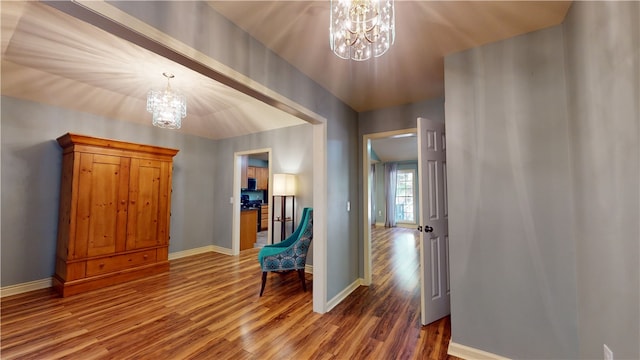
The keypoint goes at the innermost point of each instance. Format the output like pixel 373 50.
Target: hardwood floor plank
pixel 34 343
pixel 207 307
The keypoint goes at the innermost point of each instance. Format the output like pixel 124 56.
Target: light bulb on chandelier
pixel 360 29
pixel 167 106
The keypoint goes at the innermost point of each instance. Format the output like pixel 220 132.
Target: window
pixel 405 190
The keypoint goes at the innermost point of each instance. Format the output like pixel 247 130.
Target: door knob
pixel 428 228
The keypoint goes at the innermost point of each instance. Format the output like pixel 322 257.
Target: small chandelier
pixel 167 106
pixel 360 29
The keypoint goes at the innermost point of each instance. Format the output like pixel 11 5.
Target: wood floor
pixel 207 307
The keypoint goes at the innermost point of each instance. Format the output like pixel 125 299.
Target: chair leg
pixel 264 281
pixel 301 275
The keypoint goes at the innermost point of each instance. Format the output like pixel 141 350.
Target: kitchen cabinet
pixel 264 217
pixel 251 172
pixel 261 174
pixel 248 233
pixel 262 178
pixel 114 212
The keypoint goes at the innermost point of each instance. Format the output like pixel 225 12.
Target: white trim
pixel 26 287
pixel 320 304
pixel 221 250
pixel 366 210
pixel 469 353
pixel 200 250
pixel 344 293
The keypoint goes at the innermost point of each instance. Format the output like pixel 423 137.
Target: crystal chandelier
pixel 167 106
pixel 360 29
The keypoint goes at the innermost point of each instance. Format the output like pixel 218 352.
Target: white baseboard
pixel 469 353
pixel 379 224
pixel 200 250
pixel 48 282
pixel 25 287
pixel 343 294
pixel 308 269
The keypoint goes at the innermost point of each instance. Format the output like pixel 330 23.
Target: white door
pixel 434 223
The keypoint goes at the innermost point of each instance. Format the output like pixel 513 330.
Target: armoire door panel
pixel 102 186
pixel 83 207
pixel 147 205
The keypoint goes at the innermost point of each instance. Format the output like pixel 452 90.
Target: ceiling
pixel 54 58
pixel 413 68
pixel 396 148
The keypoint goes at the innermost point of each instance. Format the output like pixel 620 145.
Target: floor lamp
pixel 284 186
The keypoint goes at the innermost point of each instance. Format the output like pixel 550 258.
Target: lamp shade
pixel 284 184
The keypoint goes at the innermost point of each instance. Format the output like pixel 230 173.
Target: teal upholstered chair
pixel 291 253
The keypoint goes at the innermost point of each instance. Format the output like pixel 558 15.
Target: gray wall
pixel 603 69
pixel 399 117
pixel 513 277
pixel 202 180
pixel 543 157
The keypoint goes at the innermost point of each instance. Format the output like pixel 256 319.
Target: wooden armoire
pixel 115 208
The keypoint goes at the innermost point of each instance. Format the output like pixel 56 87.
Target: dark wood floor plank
pixel 207 307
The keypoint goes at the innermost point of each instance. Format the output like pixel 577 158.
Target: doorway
pixel 400 140
pixel 251 205
pixel 434 262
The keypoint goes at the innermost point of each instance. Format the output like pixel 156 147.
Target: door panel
pixel 147 207
pixel 432 180
pixel 434 245
pixel 101 204
pixel 436 286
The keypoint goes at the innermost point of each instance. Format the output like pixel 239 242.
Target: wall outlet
pixel 379 212
pixel 608 354
pixel 231 200
pixel 348 205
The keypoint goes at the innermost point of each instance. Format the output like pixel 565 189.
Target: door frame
pixel 366 193
pixel 237 188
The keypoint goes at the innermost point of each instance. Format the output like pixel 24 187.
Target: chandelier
pixel 167 106
pixel 360 29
